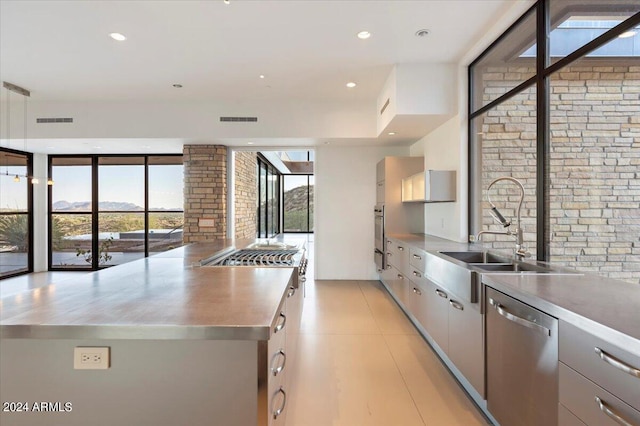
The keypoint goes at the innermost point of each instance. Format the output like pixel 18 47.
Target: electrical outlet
pixel 91 358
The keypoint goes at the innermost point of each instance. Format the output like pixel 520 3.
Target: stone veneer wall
pixel 594 164
pixel 205 191
pixel 246 194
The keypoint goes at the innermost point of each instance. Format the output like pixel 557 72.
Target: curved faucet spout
pixel 520 251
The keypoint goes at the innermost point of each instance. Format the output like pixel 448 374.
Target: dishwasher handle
pixel 518 320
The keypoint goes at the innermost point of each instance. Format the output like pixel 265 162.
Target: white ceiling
pixel 308 50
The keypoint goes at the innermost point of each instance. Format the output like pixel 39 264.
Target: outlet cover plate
pixel 91 358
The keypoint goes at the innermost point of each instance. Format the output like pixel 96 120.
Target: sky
pixel 121 184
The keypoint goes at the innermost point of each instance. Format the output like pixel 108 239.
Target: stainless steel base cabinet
pixel 522 362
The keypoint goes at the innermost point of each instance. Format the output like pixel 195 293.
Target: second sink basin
pixel 512 267
pixel 475 256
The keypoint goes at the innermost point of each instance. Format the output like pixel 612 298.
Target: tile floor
pixel 361 362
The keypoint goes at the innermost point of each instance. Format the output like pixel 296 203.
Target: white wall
pixel 443 150
pixel 345 193
pixel 40 212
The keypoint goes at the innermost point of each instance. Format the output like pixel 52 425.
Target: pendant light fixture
pixel 26 94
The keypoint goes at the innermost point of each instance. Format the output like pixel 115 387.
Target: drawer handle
pixel 611 414
pixel 291 292
pixel 281 325
pixel 459 306
pixel 390 254
pixel 441 293
pixel 415 256
pixel 279 411
pixel 400 277
pixel 417 274
pixel 518 320
pixel 611 360
pixel 400 248
pixel 417 291
pixel 279 369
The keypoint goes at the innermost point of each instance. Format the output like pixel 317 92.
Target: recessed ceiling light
pixel 227 1
pixel 177 86
pixel 249 143
pixel 351 85
pixel 363 35
pixel 422 33
pixel 97 147
pixel 261 75
pixel 628 34
pixel 391 133
pixel 117 36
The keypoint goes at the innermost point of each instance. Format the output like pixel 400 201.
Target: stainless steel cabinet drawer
pixel 398 285
pixel 398 255
pixel 418 259
pixel 567 418
pixel 592 404
pixel 607 365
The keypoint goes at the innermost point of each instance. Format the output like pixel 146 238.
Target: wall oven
pixel 379 248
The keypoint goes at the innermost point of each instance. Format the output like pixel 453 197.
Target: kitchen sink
pixel 511 267
pixel 475 257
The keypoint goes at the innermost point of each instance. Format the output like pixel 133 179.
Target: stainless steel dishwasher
pixel 522 362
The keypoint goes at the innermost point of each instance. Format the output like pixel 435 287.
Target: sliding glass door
pixel 108 210
pixel 15 213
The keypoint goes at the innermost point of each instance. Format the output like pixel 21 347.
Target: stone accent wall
pixel 594 173
pixel 246 194
pixel 205 191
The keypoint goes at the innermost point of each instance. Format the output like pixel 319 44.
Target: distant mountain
pixel 103 205
pixel 296 199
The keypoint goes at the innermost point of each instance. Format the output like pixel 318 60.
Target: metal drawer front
pixel 607 365
pixel 398 256
pixel 592 404
pixel 566 417
pixel 418 259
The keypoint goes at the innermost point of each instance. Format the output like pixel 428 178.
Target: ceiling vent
pixel 239 119
pixel 54 120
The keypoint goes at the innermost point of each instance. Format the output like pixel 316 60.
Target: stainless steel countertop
pixel 608 308
pixel 154 298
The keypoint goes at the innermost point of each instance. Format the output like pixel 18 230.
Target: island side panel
pixel 149 382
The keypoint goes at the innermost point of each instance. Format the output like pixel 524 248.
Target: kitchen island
pixel 186 345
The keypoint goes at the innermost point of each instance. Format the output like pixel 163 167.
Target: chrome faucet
pixel 520 251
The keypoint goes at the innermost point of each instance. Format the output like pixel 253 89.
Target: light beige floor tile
pixel 386 312
pixel 336 307
pixel 349 380
pixel 438 396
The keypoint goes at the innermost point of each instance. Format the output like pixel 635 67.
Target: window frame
pixel 95 212
pixel 544 70
pixel 29 213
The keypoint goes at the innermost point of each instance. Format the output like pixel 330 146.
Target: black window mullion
pixel 95 229
pixel 542 131
pixel 30 213
pixel 146 206
pixel 50 217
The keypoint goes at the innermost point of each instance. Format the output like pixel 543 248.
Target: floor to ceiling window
pixel 112 209
pixel 268 200
pixel 583 61
pixel 16 228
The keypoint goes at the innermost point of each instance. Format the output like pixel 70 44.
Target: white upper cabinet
pixel 430 186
